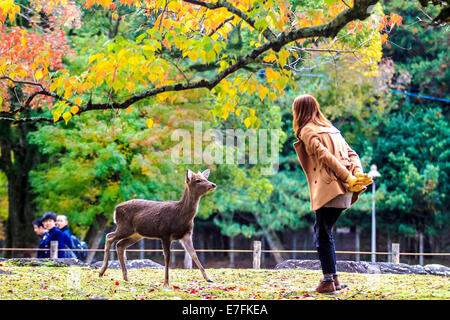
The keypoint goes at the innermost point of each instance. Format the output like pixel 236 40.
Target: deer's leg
pixel 166 248
pixel 110 238
pixel 186 241
pixel 120 247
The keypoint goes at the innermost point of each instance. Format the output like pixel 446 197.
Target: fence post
pixel 54 249
pixel 256 254
pixel 395 253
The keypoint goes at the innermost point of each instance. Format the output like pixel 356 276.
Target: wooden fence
pixel 256 251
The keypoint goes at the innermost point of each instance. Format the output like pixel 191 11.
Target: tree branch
pixel 267 33
pixel 23 120
pixel 23 82
pixel 329 30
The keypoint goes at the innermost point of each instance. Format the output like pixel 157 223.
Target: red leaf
pixel 176 287
pixel 116 283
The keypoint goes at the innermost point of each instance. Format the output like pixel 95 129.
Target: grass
pixel 74 283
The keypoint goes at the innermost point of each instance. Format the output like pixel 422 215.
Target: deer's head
pixel 198 182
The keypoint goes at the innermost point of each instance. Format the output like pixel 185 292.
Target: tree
pixel 22 50
pixel 179 46
pixel 94 164
pixel 411 149
pixel 188 31
pixel 408 138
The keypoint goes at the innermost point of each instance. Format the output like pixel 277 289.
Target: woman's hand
pixel 358 181
pixel 363 179
pixel 353 185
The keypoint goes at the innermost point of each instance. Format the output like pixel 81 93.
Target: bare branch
pixel 267 33
pixel 23 82
pixel 23 120
pixel 221 25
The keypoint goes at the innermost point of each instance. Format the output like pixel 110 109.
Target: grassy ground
pixel 18 282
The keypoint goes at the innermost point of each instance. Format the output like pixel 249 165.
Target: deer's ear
pixel 189 174
pixel 206 173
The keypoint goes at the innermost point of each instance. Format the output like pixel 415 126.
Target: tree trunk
pixel 95 235
pixel 275 244
pixel 17 159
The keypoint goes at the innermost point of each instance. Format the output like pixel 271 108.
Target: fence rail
pixel 238 251
pixel 256 251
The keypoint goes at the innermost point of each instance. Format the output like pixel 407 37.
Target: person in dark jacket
pixel 42 233
pixel 54 234
pixel 62 224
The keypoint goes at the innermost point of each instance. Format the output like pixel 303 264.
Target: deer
pixel 164 220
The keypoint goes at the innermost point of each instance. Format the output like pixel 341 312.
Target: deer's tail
pixel 114 217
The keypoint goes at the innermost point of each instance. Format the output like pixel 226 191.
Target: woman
pixel 335 179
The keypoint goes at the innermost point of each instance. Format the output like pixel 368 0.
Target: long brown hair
pixel 306 109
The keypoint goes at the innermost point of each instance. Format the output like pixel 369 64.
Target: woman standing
pixel 335 179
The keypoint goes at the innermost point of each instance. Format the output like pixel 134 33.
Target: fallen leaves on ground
pixel 75 283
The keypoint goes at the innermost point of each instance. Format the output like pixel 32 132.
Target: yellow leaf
pixel 192 55
pixel 272 75
pixel 74 109
pixel 269 58
pixel 247 122
pixel 262 91
pixel 149 123
pixel 38 75
pixel 67 116
pixel 283 55
pixel 56 116
pixel 251 89
pixel 22 73
pixel 128 110
pixel 78 100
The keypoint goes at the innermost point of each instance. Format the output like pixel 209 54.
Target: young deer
pixel 164 220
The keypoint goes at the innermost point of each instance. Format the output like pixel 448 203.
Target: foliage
pixel 97 163
pixel 76 283
pixel 175 37
pixel 419 49
pixel 411 152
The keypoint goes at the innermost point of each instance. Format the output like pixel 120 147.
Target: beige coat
pixel 327 160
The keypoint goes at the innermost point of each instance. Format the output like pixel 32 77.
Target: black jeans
pixel 323 237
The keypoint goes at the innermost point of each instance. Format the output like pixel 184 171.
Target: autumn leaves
pixel 162 59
